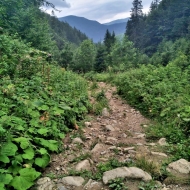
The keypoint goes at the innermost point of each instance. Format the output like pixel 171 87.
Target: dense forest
pixel 41 98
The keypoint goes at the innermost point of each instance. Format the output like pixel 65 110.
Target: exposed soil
pixel 120 136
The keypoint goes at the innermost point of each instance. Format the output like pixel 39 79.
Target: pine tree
pixel 133 28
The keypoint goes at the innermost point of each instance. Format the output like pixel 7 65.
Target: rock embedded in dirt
pixel 109 128
pixel 73 180
pixel 77 140
pixel 111 139
pixel 128 148
pixel 93 185
pixel 105 112
pixel 98 147
pixel 159 154
pixel 88 124
pixel 61 188
pixel 162 142
pixel 83 165
pixel 124 172
pixel 181 166
pixel 45 183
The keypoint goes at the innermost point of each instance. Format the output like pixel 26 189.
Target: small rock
pixel 152 144
pixel 97 148
pixel 73 180
pixel 162 142
pixel 62 188
pixel 109 143
pixel 111 139
pixel 43 180
pixel 77 140
pixel 139 144
pixel 57 168
pixel 140 136
pixel 124 135
pixel 112 147
pixel 109 128
pixel 103 152
pixel 181 166
pixel 129 148
pixel 105 112
pixel 88 124
pixel 132 152
pixel 159 154
pixel 83 165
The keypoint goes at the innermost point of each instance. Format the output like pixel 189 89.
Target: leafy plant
pixel 117 184
pixel 151 185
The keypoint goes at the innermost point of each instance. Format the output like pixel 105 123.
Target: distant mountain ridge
pixel 93 29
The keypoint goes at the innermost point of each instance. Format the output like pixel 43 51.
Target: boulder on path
pixel 83 165
pixel 181 166
pixel 126 172
pixel 73 180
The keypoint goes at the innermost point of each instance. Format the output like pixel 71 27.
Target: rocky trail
pixel 110 146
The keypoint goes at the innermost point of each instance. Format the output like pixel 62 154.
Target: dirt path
pixel 117 134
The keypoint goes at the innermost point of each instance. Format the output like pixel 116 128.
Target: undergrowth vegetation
pixel 40 102
pixel 162 93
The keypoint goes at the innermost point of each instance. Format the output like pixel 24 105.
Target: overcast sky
pixel 100 10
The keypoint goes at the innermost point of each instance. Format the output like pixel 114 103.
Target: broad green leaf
pixel 43 161
pixel 8 149
pixel 25 180
pixel 186 119
pixel 44 108
pixel 5 178
pixel 4 159
pixel 24 142
pixel 14 169
pixel 49 144
pixel 37 103
pixel 64 107
pixel 42 151
pixel 29 153
pixel 42 131
pixel 18 158
pixel 2 187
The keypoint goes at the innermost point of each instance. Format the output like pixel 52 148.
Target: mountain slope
pixel 93 29
pixel 117 21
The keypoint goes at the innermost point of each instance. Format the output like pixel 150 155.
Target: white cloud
pixel 100 10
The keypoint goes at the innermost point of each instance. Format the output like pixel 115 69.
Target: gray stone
pixel 111 139
pixel 62 188
pixel 83 165
pixel 88 124
pixel 124 172
pixel 181 166
pixel 159 154
pixel 77 140
pixel 73 180
pixel 43 180
pixel 162 142
pixel 109 128
pixel 45 184
pixel 129 148
pixel 97 148
pixel 93 185
pixel 105 112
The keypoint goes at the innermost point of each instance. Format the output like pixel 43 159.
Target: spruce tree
pixel 135 22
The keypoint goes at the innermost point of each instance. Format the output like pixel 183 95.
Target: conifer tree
pixel 135 22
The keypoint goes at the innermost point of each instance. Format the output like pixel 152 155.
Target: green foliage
pixel 39 102
pixel 84 57
pixel 161 93
pixel 117 184
pixel 152 185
